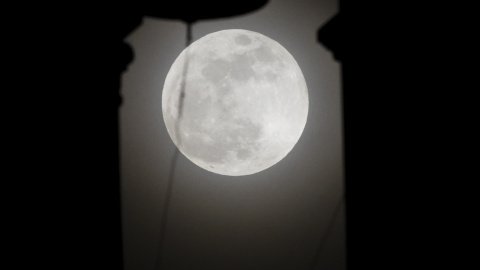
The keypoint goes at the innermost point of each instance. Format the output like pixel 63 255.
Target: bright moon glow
pixel 244 103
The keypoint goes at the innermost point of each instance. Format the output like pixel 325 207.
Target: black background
pixel 62 186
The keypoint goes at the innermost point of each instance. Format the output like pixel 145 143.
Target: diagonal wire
pixel 323 240
pixel 173 163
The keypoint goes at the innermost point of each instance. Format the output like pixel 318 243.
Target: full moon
pixel 235 102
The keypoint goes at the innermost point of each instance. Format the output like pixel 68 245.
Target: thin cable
pixel 321 246
pixel 173 163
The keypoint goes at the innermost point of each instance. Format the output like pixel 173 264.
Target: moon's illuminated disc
pixel 244 103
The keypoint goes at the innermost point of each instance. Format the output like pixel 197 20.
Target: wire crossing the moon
pixel 173 163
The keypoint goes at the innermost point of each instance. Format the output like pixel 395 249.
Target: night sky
pixel 379 173
pixel 275 219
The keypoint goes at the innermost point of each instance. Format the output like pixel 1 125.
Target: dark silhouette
pixel 78 55
pixel 387 67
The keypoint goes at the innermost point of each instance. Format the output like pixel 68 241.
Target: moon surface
pixel 235 102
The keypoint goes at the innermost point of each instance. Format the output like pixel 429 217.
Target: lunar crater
pixel 243 40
